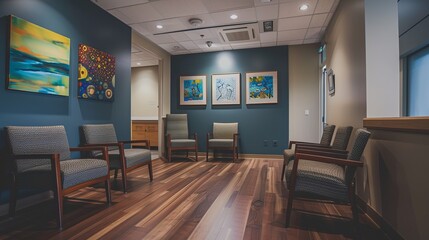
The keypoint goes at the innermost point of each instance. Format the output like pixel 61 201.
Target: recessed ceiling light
pixel 159 26
pixel 303 7
pixel 139 64
pixel 233 16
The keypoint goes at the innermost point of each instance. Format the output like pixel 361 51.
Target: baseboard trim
pixel 379 220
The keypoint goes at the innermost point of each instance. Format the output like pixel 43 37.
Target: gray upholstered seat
pixel 341 140
pixel 321 176
pixel 224 137
pixel 177 135
pixel 121 158
pixel 42 154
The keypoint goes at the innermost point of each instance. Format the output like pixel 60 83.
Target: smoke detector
pixel 195 22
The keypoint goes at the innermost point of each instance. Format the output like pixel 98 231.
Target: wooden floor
pixel 190 200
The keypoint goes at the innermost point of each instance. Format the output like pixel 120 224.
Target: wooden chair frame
pixel 171 148
pixel 234 147
pixel 123 168
pixel 58 190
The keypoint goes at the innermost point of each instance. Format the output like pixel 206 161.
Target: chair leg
pixel 108 192
pixel 169 154
pixel 116 174
pixel 289 206
pixel 12 197
pixel 124 179
pixel 282 177
pixel 196 155
pixel 233 155
pixel 150 171
pixel 207 155
pixel 355 211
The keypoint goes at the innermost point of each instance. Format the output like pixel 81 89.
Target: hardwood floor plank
pixel 190 200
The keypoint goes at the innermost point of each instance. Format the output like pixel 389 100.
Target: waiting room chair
pixel 41 159
pixel 121 158
pixel 224 137
pixel 178 136
pixel 289 153
pixel 324 177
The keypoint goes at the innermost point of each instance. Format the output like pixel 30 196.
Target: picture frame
pixel 193 90
pixel 226 89
pixel 261 87
pixel 331 82
pixel 37 64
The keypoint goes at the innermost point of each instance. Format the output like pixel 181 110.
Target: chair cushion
pixel 288 154
pixel 133 157
pixel 328 131
pixel 221 142
pixel 73 172
pixel 323 179
pixel 177 126
pixel 183 143
pixel 37 139
pixel 224 130
pixel 99 134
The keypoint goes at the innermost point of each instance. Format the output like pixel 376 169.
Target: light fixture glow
pixel 139 64
pixel 159 26
pixel 233 16
pixel 303 7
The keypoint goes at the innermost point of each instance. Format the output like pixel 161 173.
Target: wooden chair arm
pixel 302 143
pixel 339 161
pixel 146 142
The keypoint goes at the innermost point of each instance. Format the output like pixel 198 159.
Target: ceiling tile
pixel 307 41
pixel 318 20
pixel 244 15
pixel 206 18
pixel 109 4
pixel 172 47
pixel 324 6
pixel 189 45
pixel 268 37
pixel 141 13
pixel 222 5
pixel 267 12
pixel 199 50
pixel 291 35
pixel 141 29
pixel 271 44
pixel 161 39
pixel 179 36
pixel 262 3
pixel 119 15
pixel 179 8
pixel 328 19
pixel 293 42
pixel 291 9
pixel 313 33
pixel 294 23
pixel 196 34
pixel 169 25
pixel 227 47
pixel 245 45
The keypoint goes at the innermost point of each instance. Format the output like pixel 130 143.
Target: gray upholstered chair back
pixel 342 137
pixel 37 140
pixel 99 134
pixel 177 126
pixel 224 130
pixel 362 137
pixel 328 131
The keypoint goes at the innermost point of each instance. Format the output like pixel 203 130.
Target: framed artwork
pixel 96 74
pixel 39 59
pixel 193 90
pixel 261 87
pixel 226 89
pixel 331 82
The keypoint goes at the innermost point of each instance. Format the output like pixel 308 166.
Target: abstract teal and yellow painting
pixel 193 90
pixel 39 59
pixel 96 74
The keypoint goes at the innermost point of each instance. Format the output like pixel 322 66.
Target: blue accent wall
pixel 256 122
pixel 82 22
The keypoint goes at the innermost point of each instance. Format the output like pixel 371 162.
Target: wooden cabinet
pixel 142 130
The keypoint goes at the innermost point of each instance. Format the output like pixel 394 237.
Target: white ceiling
pixel 291 25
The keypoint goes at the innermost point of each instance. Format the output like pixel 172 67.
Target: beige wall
pixel 144 93
pixel 304 93
pixel 345 41
pixel 393 179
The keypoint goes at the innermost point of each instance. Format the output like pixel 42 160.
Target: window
pixel 418 83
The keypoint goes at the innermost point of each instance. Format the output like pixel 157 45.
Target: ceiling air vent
pixel 242 33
